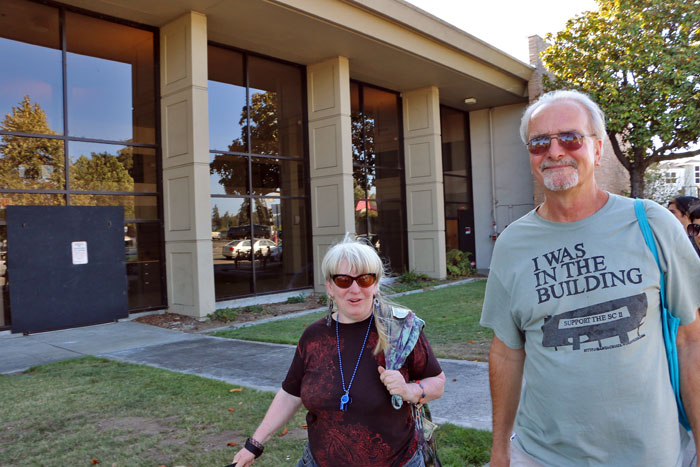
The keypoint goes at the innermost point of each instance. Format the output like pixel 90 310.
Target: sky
pixel 506 24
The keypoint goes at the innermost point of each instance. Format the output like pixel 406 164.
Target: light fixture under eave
pixel 470 100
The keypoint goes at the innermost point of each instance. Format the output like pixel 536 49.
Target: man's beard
pixel 559 180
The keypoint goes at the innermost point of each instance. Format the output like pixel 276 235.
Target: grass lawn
pixel 91 410
pixel 451 315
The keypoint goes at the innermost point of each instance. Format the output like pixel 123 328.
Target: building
pixel 294 120
pixel 681 176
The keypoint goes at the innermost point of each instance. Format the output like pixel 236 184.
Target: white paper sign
pixel 79 252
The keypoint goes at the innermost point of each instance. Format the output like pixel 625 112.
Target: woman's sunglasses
pixel 363 280
pixel 569 140
pixel 693 229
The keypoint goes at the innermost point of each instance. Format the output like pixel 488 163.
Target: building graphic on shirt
pixel 614 318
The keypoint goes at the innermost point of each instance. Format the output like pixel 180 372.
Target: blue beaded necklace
pixel 345 398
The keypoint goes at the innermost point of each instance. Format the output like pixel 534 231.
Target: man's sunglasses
pixel 569 140
pixel 693 229
pixel 363 280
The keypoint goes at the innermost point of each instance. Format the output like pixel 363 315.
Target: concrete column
pixel 330 157
pixel 425 205
pixel 186 196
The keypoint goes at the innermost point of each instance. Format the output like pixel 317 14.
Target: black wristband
pixel 254 447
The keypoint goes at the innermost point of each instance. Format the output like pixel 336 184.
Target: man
pixel 573 299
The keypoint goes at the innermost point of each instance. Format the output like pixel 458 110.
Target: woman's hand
pixel 244 458
pixel 396 384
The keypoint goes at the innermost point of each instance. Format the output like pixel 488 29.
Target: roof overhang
pixel 389 43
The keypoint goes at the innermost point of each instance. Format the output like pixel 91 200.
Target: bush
pixel 224 314
pixel 408 277
pixel 229 314
pixel 459 263
pixel 322 299
pixel 301 298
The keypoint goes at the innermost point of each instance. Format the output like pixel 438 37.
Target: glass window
pixel 111 86
pixel 144 266
pixel 377 172
pixel 30 43
pixel 454 141
pixel 282 259
pixel 456 166
pixel 381 127
pixel 456 189
pixel 227 100
pixel 276 108
pixel 29 199
pixel 110 74
pixel 229 175
pixel 31 163
pixel 135 207
pixel 108 167
pixel 257 200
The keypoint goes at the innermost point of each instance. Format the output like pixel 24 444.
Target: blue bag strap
pixel 649 239
pixel 669 323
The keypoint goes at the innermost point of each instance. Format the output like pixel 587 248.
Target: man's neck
pixel 572 205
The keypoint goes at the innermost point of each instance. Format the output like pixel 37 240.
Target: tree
pixel 264 136
pixel 215 219
pixel 640 60
pixel 103 172
pixel 31 163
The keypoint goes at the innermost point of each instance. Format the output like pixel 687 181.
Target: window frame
pixel 249 156
pixel 66 191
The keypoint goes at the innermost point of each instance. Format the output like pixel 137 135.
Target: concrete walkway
pixel 466 401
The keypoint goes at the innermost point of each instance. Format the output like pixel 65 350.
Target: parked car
pixel 240 249
pixel 233 249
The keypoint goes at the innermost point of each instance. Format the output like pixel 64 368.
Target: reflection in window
pixel 108 167
pixel 377 172
pixel 142 246
pixel 456 166
pixel 109 72
pixel 29 199
pixel 257 175
pixel 135 207
pixel 31 163
pixel 111 89
pixel 30 43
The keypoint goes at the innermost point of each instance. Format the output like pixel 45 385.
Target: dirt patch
pixel 220 440
pixel 140 425
pixel 193 325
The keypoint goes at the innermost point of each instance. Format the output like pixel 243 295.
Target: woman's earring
pixel 330 311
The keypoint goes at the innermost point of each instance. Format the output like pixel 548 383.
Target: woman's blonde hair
pixel 362 258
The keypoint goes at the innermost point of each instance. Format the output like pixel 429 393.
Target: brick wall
pixel 611 175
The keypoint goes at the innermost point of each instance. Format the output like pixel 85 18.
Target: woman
pixel 339 374
pixel 681 207
pixel 693 227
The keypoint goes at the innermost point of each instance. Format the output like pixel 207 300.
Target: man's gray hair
pixel 596 116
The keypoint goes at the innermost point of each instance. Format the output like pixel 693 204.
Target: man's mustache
pixel 547 164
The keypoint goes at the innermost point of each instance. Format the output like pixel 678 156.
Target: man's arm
pixel 505 378
pixel 688 344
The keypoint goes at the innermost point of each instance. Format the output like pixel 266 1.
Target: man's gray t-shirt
pixel 582 298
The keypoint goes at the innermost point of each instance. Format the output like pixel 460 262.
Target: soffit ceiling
pixel 277 29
